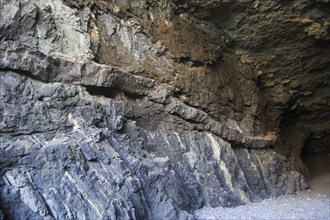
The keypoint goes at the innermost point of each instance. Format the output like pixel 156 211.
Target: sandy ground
pixel 312 204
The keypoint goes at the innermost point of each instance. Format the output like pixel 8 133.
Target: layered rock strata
pixel 150 110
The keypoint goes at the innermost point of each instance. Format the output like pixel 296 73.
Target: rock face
pixel 149 110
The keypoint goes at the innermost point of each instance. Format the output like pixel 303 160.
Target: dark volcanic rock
pixel 67 154
pixel 140 110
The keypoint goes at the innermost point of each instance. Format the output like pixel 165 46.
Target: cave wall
pixel 149 110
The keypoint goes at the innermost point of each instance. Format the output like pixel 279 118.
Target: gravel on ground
pixel 313 204
pixel 303 205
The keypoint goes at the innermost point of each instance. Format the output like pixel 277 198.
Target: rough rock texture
pixel 150 110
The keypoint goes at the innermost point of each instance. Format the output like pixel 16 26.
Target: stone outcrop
pixel 150 110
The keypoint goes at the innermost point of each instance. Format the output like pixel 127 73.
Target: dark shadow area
pixel 316 144
pixel 318 165
pixel 111 93
pixel 102 91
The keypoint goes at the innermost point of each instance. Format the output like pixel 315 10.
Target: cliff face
pixel 151 109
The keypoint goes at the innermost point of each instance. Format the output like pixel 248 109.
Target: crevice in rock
pixel 21 72
pixel 190 62
pixel 110 92
pixel 102 91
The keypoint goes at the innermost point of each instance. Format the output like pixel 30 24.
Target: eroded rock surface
pixel 150 110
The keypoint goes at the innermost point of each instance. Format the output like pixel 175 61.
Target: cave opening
pixel 317 161
pixel 305 142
